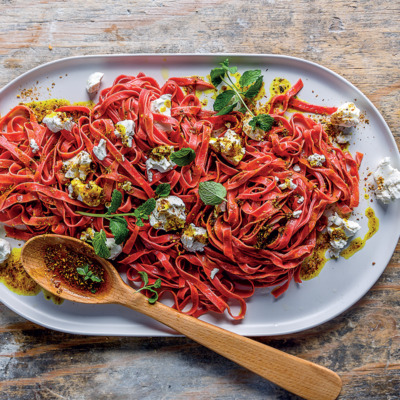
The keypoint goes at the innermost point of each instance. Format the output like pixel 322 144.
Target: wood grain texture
pixel 358 39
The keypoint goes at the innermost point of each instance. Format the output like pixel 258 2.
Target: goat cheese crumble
pixel 169 214
pixel 78 166
pixel 57 121
pixel 34 146
pixel 159 160
pixel 387 180
pixel 125 130
pixel 94 81
pixel 347 115
pixel 162 105
pixel 194 238
pixel 340 231
pixel 5 250
pixel 230 146
pixel 316 160
pixel 100 151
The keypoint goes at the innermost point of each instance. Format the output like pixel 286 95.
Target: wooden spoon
pixel 298 376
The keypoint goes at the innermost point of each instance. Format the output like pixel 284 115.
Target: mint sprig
pixel 212 193
pixel 150 288
pixel 250 84
pixel 118 224
pixel 87 274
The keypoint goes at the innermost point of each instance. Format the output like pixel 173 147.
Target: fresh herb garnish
pixel 263 121
pixel 118 224
pixel 212 193
pixel 150 288
pixel 87 274
pixel 99 244
pixel 144 211
pixel 183 156
pixel 249 84
pixel 163 190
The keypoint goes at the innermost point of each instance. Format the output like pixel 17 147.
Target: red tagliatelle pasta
pixel 35 199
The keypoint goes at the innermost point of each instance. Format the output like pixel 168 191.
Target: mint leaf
pixel 263 121
pixel 143 211
pixel 183 156
pixel 254 89
pixel 99 244
pixel 119 228
pixel 145 277
pixel 249 77
pixel 217 74
pixel 243 110
pixel 212 193
pixel 225 66
pixel 153 298
pixel 157 283
pixel 226 110
pixel 223 99
pixel 116 201
pixel 163 189
pixel 80 271
pixel 95 278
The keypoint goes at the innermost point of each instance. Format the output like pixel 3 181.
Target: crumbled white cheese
pixel 288 184
pixel 57 121
pixel 300 200
pixel 169 214
pixel 296 168
pixel 347 115
pixel 34 146
pixel 5 250
pixel 255 134
pixel 340 230
pixel 78 166
pixel 127 186
pixel 214 272
pixel 230 146
pixel 194 238
pixel 88 193
pixel 94 81
pixel 162 105
pixel 296 214
pixel 316 160
pixel 387 180
pixel 276 178
pixel 125 130
pixel 88 234
pixel 100 151
pixel 161 164
pixel 115 249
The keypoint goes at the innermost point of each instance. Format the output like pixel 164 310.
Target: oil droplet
pixel 50 296
pixel 357 244
pixel 366 196
pixel 165 73
pixel 279 86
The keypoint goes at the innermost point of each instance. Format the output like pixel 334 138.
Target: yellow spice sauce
pixel 279 86
pixel 14 277
pixel 312 265
pixel 357 244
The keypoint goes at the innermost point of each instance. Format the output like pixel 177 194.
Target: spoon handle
pixel 301 377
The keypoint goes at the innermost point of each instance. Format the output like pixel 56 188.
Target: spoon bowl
pixel 301 377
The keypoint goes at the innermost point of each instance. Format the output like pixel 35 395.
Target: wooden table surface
pixel 358 39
